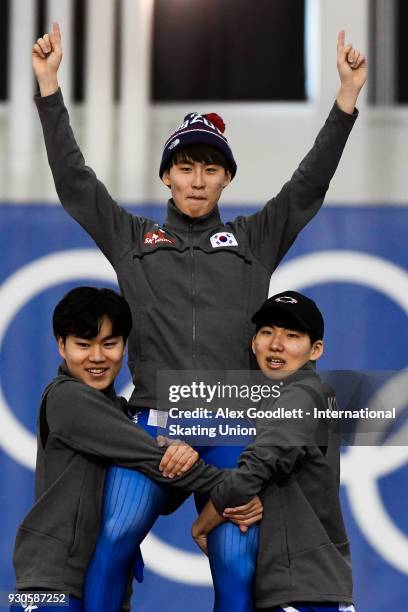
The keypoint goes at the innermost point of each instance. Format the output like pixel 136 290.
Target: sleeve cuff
pixel 336 110
pixel 54 99
pixel 217 501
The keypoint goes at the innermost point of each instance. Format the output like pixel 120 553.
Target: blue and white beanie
pixel 198 129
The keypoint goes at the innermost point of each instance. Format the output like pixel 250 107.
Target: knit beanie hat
pixel 198 129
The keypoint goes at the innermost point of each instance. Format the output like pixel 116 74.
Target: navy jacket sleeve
pixel 273 230
pixel 89 422
pixel 82 195
pixel 279 446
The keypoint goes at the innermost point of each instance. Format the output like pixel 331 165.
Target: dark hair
pixel 285 320
pixel 81 310
pixel 202 153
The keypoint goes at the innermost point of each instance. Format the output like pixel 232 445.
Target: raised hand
pixel 351 64
pixel 352 69
pixel 46 58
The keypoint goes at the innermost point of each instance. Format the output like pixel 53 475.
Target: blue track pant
pixel 132 503
pixel 232 554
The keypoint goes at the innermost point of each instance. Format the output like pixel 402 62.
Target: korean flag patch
pixel 223 239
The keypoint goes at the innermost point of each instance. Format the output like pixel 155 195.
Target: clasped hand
pixel 244 516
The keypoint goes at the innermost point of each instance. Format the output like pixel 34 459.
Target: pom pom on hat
pixel 216 120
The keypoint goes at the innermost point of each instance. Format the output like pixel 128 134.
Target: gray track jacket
pixel 191 300
pixel 80 431
pixel 295 465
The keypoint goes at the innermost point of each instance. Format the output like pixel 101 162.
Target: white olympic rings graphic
pixel 317 268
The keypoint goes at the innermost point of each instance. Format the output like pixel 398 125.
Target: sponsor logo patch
pixel 157 237
pixel 286 299
pixel 174 143
pixel 222 239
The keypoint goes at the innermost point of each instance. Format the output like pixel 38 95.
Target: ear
pixel 166 178
pixel 227 179
pixel 317 350
pixel 61 346
pixel 253 345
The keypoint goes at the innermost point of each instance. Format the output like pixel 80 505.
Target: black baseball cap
pixel 292 307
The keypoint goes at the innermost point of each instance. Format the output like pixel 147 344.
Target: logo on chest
pixel 156 237
pixel 223 239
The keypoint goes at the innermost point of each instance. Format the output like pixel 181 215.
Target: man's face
pixel 196 187
pixel 97 361
pixel 280 351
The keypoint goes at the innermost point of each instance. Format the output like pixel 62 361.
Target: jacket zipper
pixel 193 298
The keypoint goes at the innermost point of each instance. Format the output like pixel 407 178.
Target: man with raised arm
pixel 192 283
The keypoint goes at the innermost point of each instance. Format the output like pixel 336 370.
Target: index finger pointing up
pixel 341 40
pixel 56 31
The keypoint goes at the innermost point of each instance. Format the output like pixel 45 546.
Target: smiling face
pixel 95 361
pixel 195 186
pixel 281 351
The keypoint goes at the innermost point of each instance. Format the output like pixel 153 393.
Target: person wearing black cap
pixel 294 464
pixel 192 282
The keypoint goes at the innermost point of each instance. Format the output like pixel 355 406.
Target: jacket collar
pixel 180 221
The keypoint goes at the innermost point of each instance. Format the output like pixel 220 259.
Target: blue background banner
pixel 351 260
